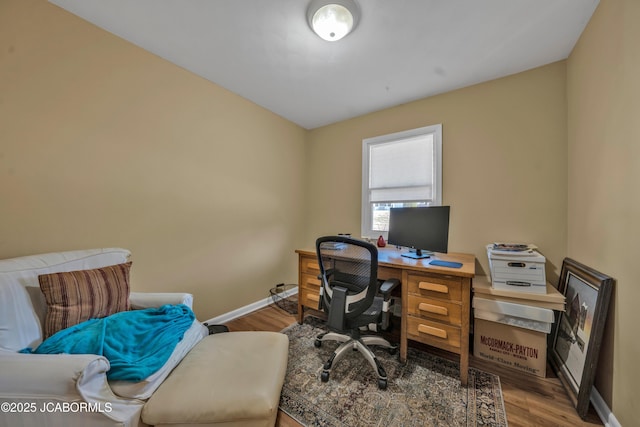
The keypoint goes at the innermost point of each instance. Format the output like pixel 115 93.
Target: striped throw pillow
pixel 75 296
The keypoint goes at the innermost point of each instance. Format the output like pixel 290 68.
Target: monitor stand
pixel 417 254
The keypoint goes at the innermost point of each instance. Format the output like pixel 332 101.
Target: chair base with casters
pixel 355 342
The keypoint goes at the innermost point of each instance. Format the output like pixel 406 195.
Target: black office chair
pixel 349 294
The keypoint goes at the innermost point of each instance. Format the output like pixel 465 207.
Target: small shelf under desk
pixel 436 301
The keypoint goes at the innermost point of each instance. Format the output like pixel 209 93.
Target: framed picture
pixel 578 331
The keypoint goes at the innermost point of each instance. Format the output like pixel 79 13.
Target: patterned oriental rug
pixel 423 392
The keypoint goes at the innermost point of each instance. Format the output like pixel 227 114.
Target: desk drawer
pixel 309 297
pixel 433 333
pixel 309 290
pixel 440 310
pixel 309 265
pixel 310 281
pixel 440 286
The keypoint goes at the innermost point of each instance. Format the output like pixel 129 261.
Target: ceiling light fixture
pixel 332 19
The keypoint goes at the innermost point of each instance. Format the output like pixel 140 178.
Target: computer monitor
pixel 426 230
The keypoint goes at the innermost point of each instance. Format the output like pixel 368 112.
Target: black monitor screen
pixel 424 229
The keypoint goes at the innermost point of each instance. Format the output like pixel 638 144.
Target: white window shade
pixel 391 195
pixel 402 170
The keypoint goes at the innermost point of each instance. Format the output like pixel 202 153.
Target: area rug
pixel 423 392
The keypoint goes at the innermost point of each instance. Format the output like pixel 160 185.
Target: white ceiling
pixel 401 50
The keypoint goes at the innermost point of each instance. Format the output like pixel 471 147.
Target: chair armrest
pixel 40 379
pixel 140 300
pixel 388 286
pixel 328 272
pixel 385 289
pixel 46 375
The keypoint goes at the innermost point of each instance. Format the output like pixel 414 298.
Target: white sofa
pixel 70 390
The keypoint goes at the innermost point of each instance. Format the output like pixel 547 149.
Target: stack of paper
pixel 333 245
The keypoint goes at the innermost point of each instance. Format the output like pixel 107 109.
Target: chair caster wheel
pixel 393 350
pixel 317 343
pixel 324 377
pixel 382 384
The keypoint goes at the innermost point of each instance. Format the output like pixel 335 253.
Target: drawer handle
pixel 517 264
pixel 313 266
pixel 313 297
pixel 430 330
pixel 436 309
pixel 435 287
pixel 314 282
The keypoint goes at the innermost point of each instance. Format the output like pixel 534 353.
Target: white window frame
pixel 366 209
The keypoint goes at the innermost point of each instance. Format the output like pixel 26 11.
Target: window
pixel 403 169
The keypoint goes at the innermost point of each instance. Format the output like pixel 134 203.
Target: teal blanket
pixel 137 343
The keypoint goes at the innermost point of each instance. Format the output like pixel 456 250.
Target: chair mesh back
pixel 351 264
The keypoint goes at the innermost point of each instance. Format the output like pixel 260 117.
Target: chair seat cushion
pixel 232 378
pixel 371 315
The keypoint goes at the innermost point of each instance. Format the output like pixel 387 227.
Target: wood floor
pixel 529 401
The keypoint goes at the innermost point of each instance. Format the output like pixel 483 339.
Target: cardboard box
pixel 522 349
pixel 517 271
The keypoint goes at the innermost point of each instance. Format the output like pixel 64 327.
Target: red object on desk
pixel 381 242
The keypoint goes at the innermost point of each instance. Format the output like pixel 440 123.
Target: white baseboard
pixel 605 414
pixel 242 311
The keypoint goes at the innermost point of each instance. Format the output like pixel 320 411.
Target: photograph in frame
pixel 578 331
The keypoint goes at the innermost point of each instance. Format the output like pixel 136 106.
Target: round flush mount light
pixel 332 19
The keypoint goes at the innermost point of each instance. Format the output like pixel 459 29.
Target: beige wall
pixel 604 175
pixel 504 163
pixel 103 144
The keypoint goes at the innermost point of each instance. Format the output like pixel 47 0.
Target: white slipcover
pixel 68 390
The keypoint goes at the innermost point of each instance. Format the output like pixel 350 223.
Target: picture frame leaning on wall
pixel 577 333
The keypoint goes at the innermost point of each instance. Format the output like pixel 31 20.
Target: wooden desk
pixel 436 308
